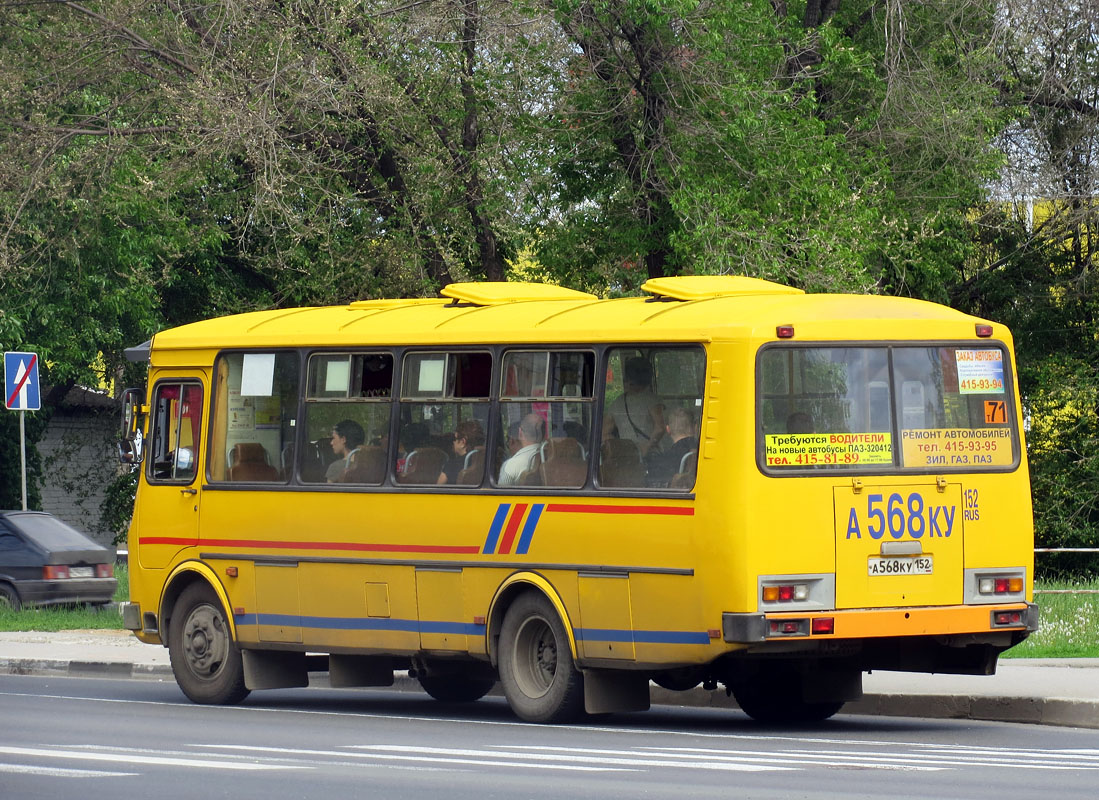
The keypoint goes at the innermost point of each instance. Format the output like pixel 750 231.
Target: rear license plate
pixel 908 565
pixel 81 572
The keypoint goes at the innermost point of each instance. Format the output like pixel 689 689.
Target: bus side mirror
pixel 129 447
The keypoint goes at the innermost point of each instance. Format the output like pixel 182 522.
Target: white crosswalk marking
pixel 62 772
pixel 130 758
pixel 578 755
pixel 456 757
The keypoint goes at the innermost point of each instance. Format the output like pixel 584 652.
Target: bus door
pixel 899 545
pixel 168 506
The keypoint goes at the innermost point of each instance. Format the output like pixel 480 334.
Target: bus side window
pixel 545 418
pixel 652 406
pixel 348 405
pixel 176 431
pixel 255 416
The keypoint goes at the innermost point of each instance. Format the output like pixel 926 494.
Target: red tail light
pixel 55 572
pixel 104 570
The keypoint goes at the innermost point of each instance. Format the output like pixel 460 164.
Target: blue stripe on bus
pixel 642 637
pixel 497 526
pixel 528 528
pixel 361 624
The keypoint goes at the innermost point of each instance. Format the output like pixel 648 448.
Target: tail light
pixel 785 593
pixel 55 572
pixel 1000 585
pixel 104 570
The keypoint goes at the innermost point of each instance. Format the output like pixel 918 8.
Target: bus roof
pixel 678 309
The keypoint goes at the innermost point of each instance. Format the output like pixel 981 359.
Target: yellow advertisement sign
pixel 840 449
pixel 957 447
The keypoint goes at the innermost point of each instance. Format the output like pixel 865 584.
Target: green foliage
pixel 118 505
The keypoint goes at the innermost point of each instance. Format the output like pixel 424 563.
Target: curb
pixel 1027 710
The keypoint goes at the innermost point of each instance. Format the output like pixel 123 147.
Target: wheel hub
pixel 205 640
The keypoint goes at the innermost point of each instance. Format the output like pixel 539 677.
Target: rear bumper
pixel 881 623
pixel 68 590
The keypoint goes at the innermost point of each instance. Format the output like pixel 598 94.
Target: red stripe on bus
pixel 273 545
pixel 674 511
pixel 514 521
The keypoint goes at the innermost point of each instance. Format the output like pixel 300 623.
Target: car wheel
pixel 205 659
pixel 9 598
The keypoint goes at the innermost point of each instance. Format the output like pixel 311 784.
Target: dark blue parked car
pixel 43 561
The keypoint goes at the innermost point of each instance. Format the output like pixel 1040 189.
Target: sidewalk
pixel 1040 691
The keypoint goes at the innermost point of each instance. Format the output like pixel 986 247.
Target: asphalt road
pixel 66 738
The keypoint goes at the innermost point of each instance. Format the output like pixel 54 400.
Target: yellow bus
pixel 727 481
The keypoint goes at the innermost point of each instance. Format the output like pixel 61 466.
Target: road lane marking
pixel 133 758
pixel 628 758
pixel 459 761
pixel 62 772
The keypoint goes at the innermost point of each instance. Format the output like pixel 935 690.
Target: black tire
pixel 457 687
pixel 9 597
pixel 205 659
pixel 540 679
pixel 679 680
pixel 775 701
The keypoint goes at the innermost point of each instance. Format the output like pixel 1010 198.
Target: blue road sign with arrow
pixel 21 391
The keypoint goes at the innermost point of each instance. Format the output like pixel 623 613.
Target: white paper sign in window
pixel 431 376
pixel 257 375
pixel 337 376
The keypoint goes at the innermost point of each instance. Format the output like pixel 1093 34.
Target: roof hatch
pixel 494 293
pixel 706 287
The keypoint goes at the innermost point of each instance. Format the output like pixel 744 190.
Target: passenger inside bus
pixel 347 437
pixel 531 434
pixel 469 439
pixel 638 413
pixel 682 438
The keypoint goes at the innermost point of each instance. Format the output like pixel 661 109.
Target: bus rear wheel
pixel 205 659
pixel 770 699
pixel 540 679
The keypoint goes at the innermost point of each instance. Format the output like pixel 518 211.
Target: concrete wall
pixel 79 459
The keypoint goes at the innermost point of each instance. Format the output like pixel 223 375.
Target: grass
pixel 1069 626
pixel 1069 622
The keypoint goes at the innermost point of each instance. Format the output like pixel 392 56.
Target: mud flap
pixel 607 691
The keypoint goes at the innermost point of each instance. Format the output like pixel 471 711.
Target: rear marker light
pixel 1000 585
pixel 788 627
pixel 785 593
pixel 984 331
pixel 785 331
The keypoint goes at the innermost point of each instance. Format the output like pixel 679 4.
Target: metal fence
pixel 1038 550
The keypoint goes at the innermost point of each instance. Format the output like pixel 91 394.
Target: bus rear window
pixel 888 407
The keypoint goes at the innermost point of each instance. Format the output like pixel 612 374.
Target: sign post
pixel 22 394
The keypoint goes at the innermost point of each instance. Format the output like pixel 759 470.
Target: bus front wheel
pixel 540 679
pixel 456 688
pixel 205 659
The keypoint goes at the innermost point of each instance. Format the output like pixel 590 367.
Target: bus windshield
pixel 883 407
